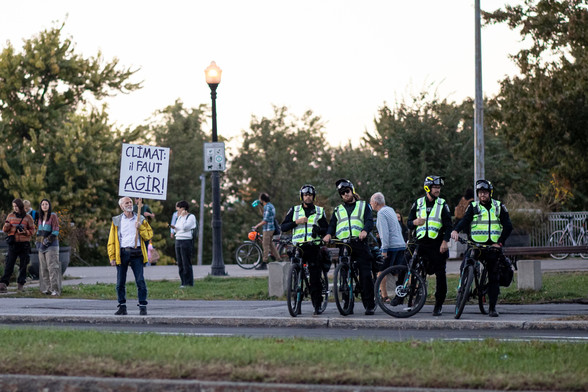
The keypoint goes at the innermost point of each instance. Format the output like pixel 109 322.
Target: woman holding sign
pixel 184 234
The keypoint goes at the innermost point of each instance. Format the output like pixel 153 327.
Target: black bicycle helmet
pixel 433 180
pixel 344 184
pixel 484 185
pixel 307 188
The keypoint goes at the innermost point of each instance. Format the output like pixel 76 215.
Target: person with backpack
pixel 268 227
pixel 184 234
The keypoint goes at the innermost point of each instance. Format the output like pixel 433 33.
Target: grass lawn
pixel 479 364
pixel 557 287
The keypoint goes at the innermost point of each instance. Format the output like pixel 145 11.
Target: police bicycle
pixel 346 284
pixel 475 273
pixel 298 283
pixel 401 290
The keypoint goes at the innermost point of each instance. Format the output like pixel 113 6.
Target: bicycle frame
pixel 300 287
pixel 346 278
pixel 565 237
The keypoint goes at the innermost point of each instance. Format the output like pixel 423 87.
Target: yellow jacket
pixel 145 232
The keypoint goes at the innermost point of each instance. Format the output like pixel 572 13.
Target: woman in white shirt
pixel 184 228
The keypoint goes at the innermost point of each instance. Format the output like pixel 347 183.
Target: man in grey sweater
pixel 390 232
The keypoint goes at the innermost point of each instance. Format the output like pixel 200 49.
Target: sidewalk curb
pixel 285 322
pixel 21 382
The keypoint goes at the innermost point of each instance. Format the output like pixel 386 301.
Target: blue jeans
pixel 128 258
pixel 184 258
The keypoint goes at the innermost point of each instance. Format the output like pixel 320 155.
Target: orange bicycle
pixel 249 254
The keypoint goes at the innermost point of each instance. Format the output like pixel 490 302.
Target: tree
pixel 180 129
pixel 55 144
pixel 277 155
pixel 429 136
pixel 545 108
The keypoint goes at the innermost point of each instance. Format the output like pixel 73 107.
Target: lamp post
pixel 213 78
pixel 479 167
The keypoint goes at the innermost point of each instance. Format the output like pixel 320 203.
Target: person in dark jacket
pixel 431 219
pixel 489 224
pixel 308 224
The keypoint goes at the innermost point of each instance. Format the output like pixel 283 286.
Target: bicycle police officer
pixel 353 219
pixel 489 224
pixel 308 223
pixel 431 218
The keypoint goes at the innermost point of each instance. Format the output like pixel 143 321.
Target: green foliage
pixel 55 144
pixel 429 136
pixel 180 129
pixel 277 156
pixel 545 108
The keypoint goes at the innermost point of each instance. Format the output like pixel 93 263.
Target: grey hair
pixel 120 201
pixel 379 199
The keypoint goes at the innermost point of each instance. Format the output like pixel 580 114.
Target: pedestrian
pixel 431 219
pixel 489 224
pixel 174 218
pixel 19 228
pixel 268 227
pixel 393 244
pixel 353 220
pixel 402 227
pixel 48 249
pixel 126 248
pixel 308 224
pixel 184 234
pixel 463 204
pixel 29 210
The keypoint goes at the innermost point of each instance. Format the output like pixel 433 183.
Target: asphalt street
pixel 274 313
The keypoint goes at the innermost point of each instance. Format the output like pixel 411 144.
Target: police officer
pixel 431 218
pixel 489 224
pixel 353 219
pixel 308 223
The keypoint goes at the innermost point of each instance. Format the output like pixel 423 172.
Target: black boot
pixel 142 310
pixel 122 310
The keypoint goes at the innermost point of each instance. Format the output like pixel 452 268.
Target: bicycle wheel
pixel 295 290
pixel 464 289
pixel 400 292
pixel 283 251
pixel 559 238
pixel 343 288
pixel 583 241
pixel 482 292
pixel 248 255
pixel 325 291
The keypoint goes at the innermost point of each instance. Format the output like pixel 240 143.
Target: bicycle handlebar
pixel 477 245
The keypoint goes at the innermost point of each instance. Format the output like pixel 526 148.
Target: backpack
pixel 277 228
pixel 505 271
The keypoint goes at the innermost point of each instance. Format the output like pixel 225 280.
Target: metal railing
pixel 539 236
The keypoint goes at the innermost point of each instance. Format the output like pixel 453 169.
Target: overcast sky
pixel 341 59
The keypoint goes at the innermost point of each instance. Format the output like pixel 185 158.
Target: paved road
pixel 274 313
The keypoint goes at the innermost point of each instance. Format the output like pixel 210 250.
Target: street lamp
pixel 213 78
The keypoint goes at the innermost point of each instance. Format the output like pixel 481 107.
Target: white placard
pixel 143 171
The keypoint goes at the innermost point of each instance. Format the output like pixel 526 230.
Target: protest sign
pixel 143 171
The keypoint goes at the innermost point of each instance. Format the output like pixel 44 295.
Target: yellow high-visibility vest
pixel 349 226
pixel 303 232
pixel 433 223
pixel 486 224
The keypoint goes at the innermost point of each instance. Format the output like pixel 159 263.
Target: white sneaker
pixel 54 293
